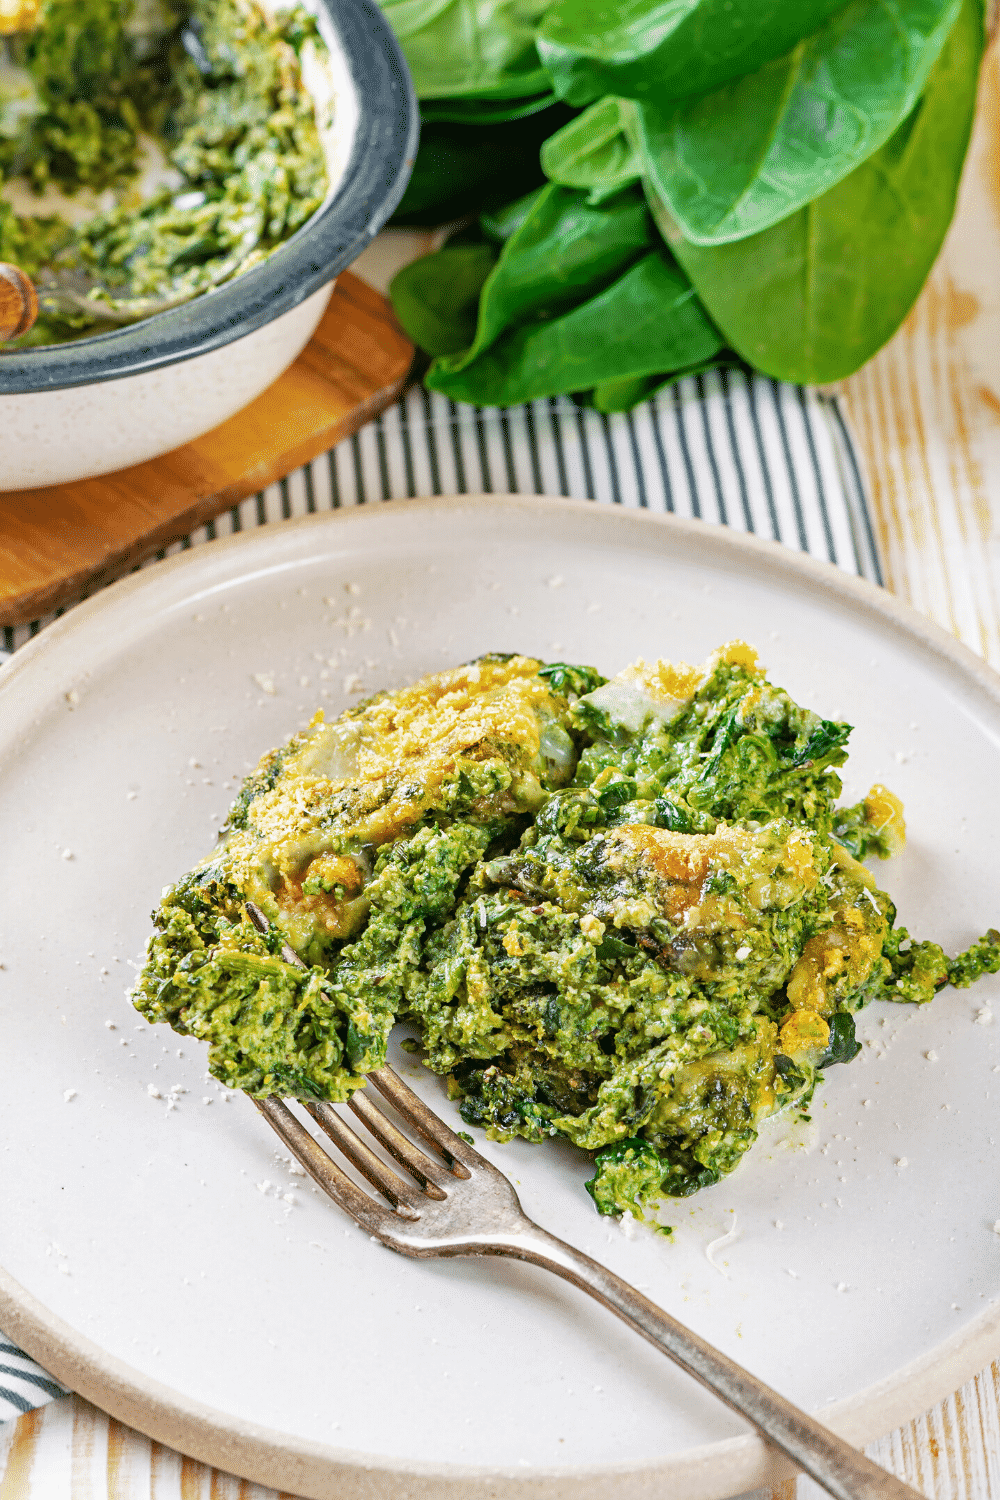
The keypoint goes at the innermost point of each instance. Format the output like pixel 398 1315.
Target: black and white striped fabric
pixel 724 448
pixel 23 1386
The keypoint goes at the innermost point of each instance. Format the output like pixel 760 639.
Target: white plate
pixel 142 1264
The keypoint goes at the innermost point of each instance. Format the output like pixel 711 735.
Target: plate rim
pixel 320 1471
pixel 777 555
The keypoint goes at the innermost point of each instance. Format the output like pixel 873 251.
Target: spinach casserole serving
pixel 150 150
pixel 628 913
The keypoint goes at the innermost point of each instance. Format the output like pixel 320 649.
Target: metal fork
pixel 462 1205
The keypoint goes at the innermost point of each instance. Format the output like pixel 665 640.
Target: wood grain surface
pixel 926 414
pixel 59 541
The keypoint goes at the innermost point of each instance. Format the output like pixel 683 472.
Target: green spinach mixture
pixel 627 913
pixel 98 90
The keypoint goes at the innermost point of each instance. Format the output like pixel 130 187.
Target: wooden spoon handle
pixel 18 302
pixel 18 15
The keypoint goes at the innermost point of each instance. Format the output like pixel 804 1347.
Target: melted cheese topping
pixel 372 775
pixel 768 872
pixel 658 691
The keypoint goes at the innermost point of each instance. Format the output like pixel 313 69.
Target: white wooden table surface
pixel 926 415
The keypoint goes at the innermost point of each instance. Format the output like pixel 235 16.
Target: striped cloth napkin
pixel 23 1384
pixel 725 448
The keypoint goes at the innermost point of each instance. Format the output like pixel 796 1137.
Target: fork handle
pixel 842 1470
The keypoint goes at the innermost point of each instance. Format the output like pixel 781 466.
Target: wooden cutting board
pixel 58 541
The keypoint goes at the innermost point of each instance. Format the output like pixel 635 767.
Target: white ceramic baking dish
pixel 69 411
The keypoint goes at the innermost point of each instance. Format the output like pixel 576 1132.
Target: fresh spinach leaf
pixel 812 298
pixel 476 111
pixel 502 223
pixel 668 49
pixel 623 395
pixel 564 252
pixel 647 321
pixel 595 150
pixel 436 298
pixel 749 154
pixel 459 48
pixel 463 169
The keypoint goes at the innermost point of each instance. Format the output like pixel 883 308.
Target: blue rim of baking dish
pixel 385 145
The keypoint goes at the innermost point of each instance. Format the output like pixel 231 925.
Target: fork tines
pixel 431 1173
